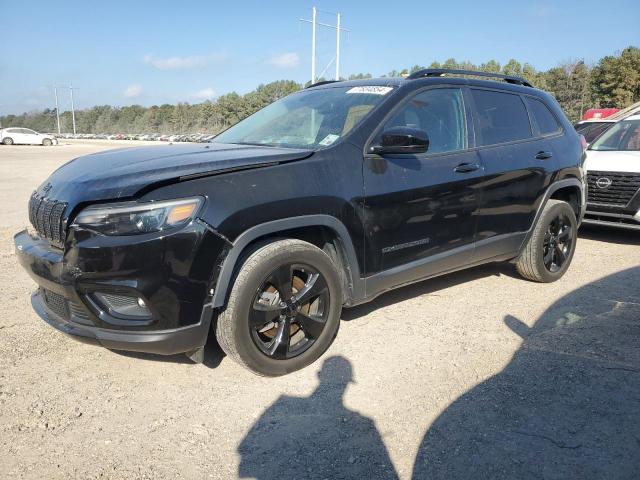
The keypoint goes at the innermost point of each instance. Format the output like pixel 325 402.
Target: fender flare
pixel 554 187
pixel 223 283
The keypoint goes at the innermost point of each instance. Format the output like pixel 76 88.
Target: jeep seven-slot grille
pixel 45 215
pixel 622 188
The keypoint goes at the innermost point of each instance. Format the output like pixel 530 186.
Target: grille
pixel 56 303
pixel 46 217
pixel 62 307
pixel 623 187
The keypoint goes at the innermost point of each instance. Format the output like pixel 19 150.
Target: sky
pixel 153 52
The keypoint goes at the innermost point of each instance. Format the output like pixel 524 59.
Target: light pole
pixel 55 92
pixel 73 112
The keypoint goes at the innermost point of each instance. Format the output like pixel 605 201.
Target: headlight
pixel 133 218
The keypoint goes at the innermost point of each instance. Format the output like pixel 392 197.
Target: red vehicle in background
pixel 598 113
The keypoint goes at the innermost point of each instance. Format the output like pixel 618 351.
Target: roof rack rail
pixel 323 82
pixel 440 72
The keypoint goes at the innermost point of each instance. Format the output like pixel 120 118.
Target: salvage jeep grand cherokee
pixel 324 199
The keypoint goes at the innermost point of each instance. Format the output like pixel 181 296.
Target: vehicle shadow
pixel 566 406
pixel 610 234
pixel 213 355
pixel 315 437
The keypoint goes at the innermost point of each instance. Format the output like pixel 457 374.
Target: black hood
pixel 123 172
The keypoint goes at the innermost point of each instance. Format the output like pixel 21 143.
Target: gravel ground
pixel 477 374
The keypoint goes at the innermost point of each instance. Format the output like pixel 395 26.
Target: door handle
pixel 543 155
pixel 466 168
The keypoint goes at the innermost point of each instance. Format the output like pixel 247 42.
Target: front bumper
pixel 171 272
pixel 163 342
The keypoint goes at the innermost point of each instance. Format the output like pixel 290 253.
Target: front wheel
pixel 7 141
pixel 46 142
pixel 284 308
pixel 549 251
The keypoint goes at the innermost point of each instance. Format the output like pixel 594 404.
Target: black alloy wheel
pixel 549 250
pixel 558 242
pixel 283 310
pixel 289 311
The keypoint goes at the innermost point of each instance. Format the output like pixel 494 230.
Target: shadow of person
pixel 316 436
pixel 566 406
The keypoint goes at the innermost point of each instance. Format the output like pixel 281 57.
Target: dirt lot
pixel 478 374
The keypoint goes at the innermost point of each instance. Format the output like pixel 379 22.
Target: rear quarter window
pixel 543 120
pixel 501 117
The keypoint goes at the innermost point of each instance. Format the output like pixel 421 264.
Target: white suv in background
pixel 25 136
pixel 613 176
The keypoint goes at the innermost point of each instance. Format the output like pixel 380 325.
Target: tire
pixel 311 314
pixel 7 141
pixel 549 251
pixel 47 142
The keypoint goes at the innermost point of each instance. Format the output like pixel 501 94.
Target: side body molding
pixel 223 283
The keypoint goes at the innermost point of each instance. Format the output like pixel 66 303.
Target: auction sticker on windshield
pixel 329 139
pixel 371 89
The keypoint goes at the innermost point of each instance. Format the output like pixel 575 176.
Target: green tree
pixel 512 67
pixel 616 79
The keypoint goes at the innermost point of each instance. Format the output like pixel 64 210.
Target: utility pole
pixel 338 48
pixel 73 112
pixel 338 29
pixel 313 46
pixel 55 92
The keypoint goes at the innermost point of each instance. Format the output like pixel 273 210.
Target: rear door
pixel 16 135
pixel 420 210
pixel 518 163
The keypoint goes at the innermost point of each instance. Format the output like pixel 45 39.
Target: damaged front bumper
pixel 169 273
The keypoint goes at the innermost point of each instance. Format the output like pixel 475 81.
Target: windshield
pixel 623 135
pixel 308 119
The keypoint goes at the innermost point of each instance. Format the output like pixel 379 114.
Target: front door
pixel 419 210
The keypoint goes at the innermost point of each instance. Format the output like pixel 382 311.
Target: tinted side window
pixel 501 117
pixel 543 119
pixel 440 113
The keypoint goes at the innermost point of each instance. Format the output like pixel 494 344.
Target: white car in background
pixel 613 176
pixel 25 136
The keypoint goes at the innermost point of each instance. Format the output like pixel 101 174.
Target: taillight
pixel 584 143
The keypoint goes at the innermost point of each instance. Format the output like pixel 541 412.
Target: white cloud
pixel 204 94
pixel 181 63
pixel 132 91
pixel 285 60
pixel 541 10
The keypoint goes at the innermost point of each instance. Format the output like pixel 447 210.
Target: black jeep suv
pixel 324 199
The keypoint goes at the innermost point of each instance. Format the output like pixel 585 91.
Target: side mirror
pixel 402 140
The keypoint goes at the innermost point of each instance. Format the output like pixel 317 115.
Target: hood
pixel 613 161
pixel 122 173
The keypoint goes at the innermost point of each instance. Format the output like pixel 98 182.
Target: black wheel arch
pixel 324 231
pixel 570 190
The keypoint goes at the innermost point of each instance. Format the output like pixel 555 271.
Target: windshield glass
pixel 308 119
pixel 623 135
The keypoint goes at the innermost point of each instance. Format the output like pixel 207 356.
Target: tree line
pixel 614 81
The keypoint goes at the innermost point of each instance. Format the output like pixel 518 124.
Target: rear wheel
pixel 7 141
pixel 549 251
pixel 284 308
pixel 46 142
